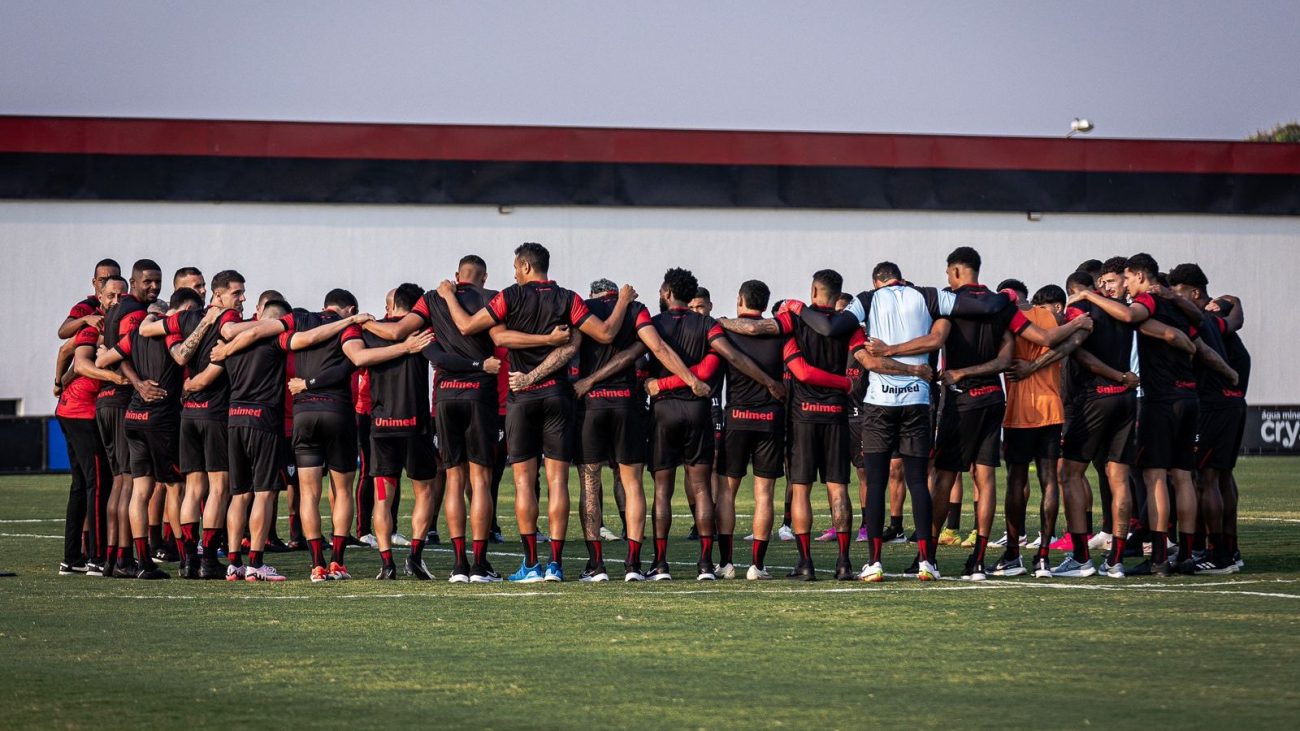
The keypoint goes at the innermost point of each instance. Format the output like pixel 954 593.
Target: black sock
pixel 1080 541
pixel 896 522
pixel 954 516
pixel 255 559
pixel 725 548
pixel 863 524
pixel 595 553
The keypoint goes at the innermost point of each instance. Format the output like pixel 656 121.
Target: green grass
pixel 1187 651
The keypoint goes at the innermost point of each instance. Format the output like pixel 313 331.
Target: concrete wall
pixel 48 250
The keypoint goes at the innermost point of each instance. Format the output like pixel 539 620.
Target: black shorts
pixel 325 439
pixel 968 437
pixel 819 449
pixel 1219 439
pixel 765 450
pixel 154 453
pixel 1167 434
pixel 412 453
pixel 112 432
pixel 203 446
pixel 1101 429
pixel 288 475
pixel 467 432
pixel 896 430
pixel 682 433
pixel 859 458
pixel 256 458
pixel 541 427
pixel 611 433
pixel 1024 445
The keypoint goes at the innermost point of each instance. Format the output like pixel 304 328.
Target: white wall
pixel 49 249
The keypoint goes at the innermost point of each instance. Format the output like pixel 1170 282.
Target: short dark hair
pixel 1079 279
pixel 276 307
pixel 1144 263
pixel 145 265
pixel 340 298
pixel 406 295
pixel 681 284
pixel 474 259
pixel 185 272
pixel 844 297
pixel 269 295
pixel 1189 274
pixel 965 256
pixel 536 255
pixel 1162 279
pixel 886 271
pixel 830 280
pixel 1114 265
pixel 226 277
pixel 118 278
pixel 1017 286
pixel 776 306
pixel 108 263
pixel 755 294
pixel 184 296
pixel 1050 294
pixel 702 293
pixel 1091 266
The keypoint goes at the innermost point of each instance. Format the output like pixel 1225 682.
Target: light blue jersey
pixel 896 314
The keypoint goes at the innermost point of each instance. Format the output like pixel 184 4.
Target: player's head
pixel 603 288
pixel 404 298
pixel 111 291
pixel 532 263
pixel 1078 282
pixel 472 270
pixel 228 290
pixel 826 286
pixel 702 302
pixel 886 273
pixel 184 299
pixel 1111 280
pixel 104 270
pixel 842 301
pixel 272 308
pixel 753 297
pixel 341 301
pixel 963 266
pixel 1190 281
pixel 1140 273
pixel 1091 266
pixel 679 287
pixel 190 278
pixel 1017 286
pixel 1051 296
pixel 263 298
pixel 146 280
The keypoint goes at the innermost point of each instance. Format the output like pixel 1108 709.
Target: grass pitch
pixel 1190 652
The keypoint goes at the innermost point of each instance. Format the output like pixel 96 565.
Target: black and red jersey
pixel 152 360
pixel 1167 373
pixel 811 402
pixel 257 384
pixel 1212 387
pixel 77 399
pixel 592 356
pixel 322 359
pixel 973 342
pixel 1110 342
pixel 750 407
pixel 121 318
pixel 690 335
pixel 1238 354
pixel 399 392
pixel 466 386
pixel 88 306
pixel 211 402
pixel 537 308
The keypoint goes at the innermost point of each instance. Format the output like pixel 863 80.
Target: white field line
pixel 27 535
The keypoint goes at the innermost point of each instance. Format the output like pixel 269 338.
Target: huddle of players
pixel 184 390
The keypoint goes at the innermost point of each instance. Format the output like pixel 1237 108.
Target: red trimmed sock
pixel 337 545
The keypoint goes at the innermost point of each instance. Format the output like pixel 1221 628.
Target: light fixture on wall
pixel 1079 126
pixel 1034 216
pixel 505 209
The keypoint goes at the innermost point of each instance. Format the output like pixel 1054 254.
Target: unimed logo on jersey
pixel 1272 429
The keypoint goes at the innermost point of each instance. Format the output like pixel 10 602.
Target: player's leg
pixel 664 484
pixel 590 504
pixel 897 492
pixel 632 509
pixel 74 558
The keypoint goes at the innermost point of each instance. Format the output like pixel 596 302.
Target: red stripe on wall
pixel 98 136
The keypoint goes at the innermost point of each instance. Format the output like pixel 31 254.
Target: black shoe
pixel 706 571
pixel 165 554
pixel 914 568
pixel 1161 569
pixel 1133 549
pixel 911 538
pixel 189 568
pixel 416 569
pixel 387 573
pixel 211 570
pixel 595 573
pixel 351 540
pixel 95 567
pixel 275 545
pixel 1186 567
pixel 693 535
pixel 1215 565
pixel 432 538
pixel 125 571
pixel 892 535
pixel 844 570
pixel 803 571
pixel 73 568
pixel 1142 569
pixel 151 573
pixel 496 537
pixel 974 570
pixel 483 573
pixel 296 544
pixel 1236 558
pixel 659 572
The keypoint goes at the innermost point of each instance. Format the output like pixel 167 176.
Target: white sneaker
pixel 1072 569
pixel 756 574
pixel 236 573
pixel 725 571
pixel 1115 571
pixel 785 533
pixel 1038 542
pixel 927 571
pixel 749 537
pixel 265 573
pixel 542 537
pixel 401 540
pixel 1001 542
pixel 1100 542
pixel 872 572
pixel 609 535
pixel 370 540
